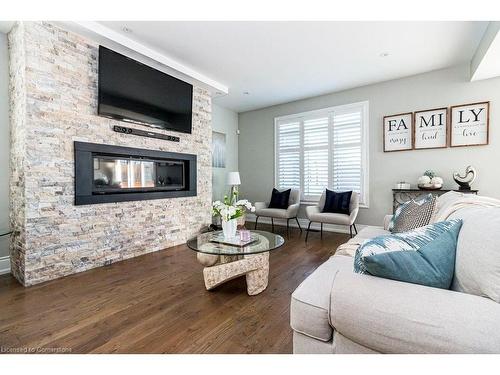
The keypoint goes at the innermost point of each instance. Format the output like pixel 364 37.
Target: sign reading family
pixel 431 128
pixel 470 124
pixel 398 132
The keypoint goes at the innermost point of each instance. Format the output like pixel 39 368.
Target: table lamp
pixel 233 179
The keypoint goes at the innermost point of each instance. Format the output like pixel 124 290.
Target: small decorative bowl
pixel 430 186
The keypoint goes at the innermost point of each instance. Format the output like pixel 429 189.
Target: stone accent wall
pixel 54 103
pixel 17 89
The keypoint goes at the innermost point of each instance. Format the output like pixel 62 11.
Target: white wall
pixel 225 121
pixel 424 91
pixel 4 149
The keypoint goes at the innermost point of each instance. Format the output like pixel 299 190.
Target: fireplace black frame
pixel 84 153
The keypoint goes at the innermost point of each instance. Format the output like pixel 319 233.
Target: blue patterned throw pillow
pixel 423 256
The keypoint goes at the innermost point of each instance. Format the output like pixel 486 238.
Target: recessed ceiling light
pixel 246 93
pixel 126 29
pixel 384 54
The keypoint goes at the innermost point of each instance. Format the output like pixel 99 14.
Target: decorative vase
pixel 229 228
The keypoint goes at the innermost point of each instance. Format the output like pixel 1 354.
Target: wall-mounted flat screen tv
pixel 133 92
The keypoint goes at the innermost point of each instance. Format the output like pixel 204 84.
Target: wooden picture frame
pixel 470 124
pixel 431 129
pixel 401 128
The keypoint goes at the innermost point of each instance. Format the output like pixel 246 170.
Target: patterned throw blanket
pixel 349 248
pixel 446 205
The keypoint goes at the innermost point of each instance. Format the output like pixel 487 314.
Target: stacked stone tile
pixel 53 77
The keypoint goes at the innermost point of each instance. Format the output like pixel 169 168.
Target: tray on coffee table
pixel 218 237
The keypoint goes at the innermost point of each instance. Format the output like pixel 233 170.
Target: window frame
pixel 329 112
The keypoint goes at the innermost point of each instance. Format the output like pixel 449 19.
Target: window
pixel 322 149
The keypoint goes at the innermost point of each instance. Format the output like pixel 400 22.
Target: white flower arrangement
pixel 228 210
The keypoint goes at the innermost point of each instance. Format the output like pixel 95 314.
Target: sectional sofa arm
pixel 395 317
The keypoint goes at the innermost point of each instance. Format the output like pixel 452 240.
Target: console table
pixel 400 196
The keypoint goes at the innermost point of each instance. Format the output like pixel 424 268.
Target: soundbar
pixel 143 133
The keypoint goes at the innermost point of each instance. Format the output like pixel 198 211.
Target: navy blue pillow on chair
pixel 337 203
pixel 280 199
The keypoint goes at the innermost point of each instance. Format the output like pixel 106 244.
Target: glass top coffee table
pixel 225 262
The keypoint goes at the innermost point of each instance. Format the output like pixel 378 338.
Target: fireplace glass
pixel 114 174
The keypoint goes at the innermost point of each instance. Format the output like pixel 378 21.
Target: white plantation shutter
pixel 288 154
pixel 323 149
pixel 347 153
pixel 315 175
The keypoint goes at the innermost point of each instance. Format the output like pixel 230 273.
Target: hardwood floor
pixel 157 303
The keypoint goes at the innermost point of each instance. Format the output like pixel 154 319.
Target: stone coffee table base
pixel 221 268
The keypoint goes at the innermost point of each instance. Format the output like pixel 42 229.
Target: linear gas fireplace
pixel 105 174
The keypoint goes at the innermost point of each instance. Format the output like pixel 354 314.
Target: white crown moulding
pixel 136 50
pixel 484 64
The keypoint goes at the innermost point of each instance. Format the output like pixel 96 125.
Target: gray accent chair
pixel 314 214
pixel 262 209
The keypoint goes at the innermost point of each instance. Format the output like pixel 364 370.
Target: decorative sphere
pixel 437 181
pixel 423 180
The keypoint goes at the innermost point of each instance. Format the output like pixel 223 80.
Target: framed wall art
pixel 218 150
pixel 398 134
pixel 470 124
pixel 430 128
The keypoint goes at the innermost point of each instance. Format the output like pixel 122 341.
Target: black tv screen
pixel 133 92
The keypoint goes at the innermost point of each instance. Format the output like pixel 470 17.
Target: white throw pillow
pixel 477 264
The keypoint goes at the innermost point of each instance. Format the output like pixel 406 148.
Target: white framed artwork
pixel 398 134
pixel 218 150
pixel 470 124
pixel 431 128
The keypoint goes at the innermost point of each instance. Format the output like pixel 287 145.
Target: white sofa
pixel 338 311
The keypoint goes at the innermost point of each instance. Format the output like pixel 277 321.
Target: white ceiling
pixel 278 62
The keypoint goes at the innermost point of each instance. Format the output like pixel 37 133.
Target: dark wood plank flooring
pixel 157 303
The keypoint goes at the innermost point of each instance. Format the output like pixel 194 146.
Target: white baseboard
pixel 304 223
pixel 4 265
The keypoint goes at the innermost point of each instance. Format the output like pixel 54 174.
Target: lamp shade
pixel 233 178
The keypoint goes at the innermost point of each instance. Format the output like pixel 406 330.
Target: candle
pixel 244 235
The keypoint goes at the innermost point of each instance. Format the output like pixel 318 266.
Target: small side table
pixel 400 196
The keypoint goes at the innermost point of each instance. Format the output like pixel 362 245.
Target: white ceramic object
pixel 229 228
pixel 437 181
pixel 424 180
pixel 426 183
